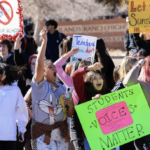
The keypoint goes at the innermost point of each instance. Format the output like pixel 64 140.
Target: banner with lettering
pixel 115 119
pixel 11 19
pixel 139 16
pixel 87 46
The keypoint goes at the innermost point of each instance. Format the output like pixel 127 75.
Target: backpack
pixel 25 43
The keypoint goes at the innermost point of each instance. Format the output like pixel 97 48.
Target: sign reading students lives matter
pixel 115 119
pixel 11 19
pixel 87 46
pixel 139 14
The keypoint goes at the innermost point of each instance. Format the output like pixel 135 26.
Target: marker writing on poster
pixel 120 136
pixel 138 21
pixel 85 43
pixel 104 100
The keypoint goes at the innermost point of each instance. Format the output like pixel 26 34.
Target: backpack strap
pixel 60 36
pixel 25 43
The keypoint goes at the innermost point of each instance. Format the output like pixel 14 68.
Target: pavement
pixel 117 60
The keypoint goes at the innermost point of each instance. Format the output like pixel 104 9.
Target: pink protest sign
pixel 114 117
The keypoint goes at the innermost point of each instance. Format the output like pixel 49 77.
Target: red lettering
pixel 144 6
pixel 139 6
pixel 93 49
pixel 132 7
pixel 88 51
pixel 136 30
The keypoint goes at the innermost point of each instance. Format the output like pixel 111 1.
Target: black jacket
pixel 107 71
pixel 127 41
pixel 142 44
pixel 15 59
pixel 52 50
pixel 28 46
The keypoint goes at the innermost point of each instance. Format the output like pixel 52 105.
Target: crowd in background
pixel 46 119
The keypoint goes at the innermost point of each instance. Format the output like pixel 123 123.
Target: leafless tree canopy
pixel 42 10
pixel 67 9
pixel 112 3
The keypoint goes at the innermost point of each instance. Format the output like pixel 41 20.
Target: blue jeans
pixel 87 147
pixel 86 144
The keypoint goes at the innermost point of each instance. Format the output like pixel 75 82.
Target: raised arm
pixel 78 79
pixel 39 67
pixel 132 76
pixel 18 55
pixel 60 72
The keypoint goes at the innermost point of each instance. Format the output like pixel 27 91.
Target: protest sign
pixel 11 19
pixel 87 46
pixel 139 16
pixel 115 119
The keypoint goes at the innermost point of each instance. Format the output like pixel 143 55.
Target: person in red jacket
pixel 89 83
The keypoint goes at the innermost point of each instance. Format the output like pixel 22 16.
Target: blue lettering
pixel 78 43
pixel 81 43
pixel 93 44
pixel 77 39
pixel 85 43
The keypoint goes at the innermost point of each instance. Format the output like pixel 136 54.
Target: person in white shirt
pixel 12 107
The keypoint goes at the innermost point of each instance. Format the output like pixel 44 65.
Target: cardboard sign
pixel 11 19
pixel 115 119
pixel 139 16
pixel 87 46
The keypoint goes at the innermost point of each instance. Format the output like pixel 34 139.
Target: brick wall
pixel 111 30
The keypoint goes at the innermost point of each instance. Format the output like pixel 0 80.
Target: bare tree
pixel 41 10
pixel 112 3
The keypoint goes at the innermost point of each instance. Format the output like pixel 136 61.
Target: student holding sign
pixel 132 78
pixel 142 40
pixel 93 84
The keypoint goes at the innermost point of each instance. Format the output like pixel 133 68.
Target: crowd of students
pixel 34 110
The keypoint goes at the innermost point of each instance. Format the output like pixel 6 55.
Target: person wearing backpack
pixel 29 46
pixel 54 39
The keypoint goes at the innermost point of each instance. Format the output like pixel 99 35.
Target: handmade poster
pixel 87 46
pixel 11 19
pixel 115 119
pixel 139 16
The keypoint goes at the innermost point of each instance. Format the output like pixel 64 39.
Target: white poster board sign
pixel 11 19
pixel 87 48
